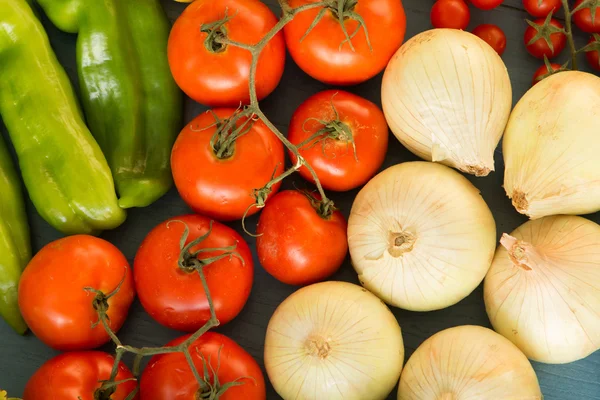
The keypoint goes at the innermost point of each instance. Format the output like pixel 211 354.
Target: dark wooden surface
pixel 21 356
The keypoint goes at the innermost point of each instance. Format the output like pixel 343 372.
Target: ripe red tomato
pixel 492 35
pixel 295 244
pixel 325 54
pixel 583 19
pixel 77 375
pixel 486 4
pixel 52 298
pixel 593 56
pixel 541 8
pixel 168 376
pixel 543 71
pixel 176 298
pixel 334 160
pixel 222 188
pixel 452 14
pixel 540 47
pixel 216 74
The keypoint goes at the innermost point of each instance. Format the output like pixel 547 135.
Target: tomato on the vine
pixel 216 177
pixel 78 375
pixel 324 52
pixel 217 74
pixel 583 18
pixel 344 138
pixel 593 56
pixel 452 14
pixel 53 297
pixel 296 244
pixel 486 4
pixel 540 48
pixel 492 35
pixel 543 72
pixel 174 296
pixel 169 377
pixel 541 8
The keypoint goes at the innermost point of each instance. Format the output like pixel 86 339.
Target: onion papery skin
pixel 551 147
pixel 543 289
pixel 467 363
pixel 447 96
pixel 446 233
pixel 333 340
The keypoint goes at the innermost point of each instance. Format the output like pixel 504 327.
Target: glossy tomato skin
pixel 222 188
pixel 593 57
pixel 539 48
pixel 52 298
pixel 336 164
pixel 543 70
pixel 220 79
pixel 319 54
pixel 583 19
pixel 168 376
pixel 492 35
pixel 486 4
pixel 296 245
pixel 451 14
pixel 176 298
pixel 76 375
pixel 540 9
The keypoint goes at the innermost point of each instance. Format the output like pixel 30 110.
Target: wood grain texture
pixel 21 356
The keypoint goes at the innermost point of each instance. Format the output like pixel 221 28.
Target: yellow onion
pixel 551 147
pixel 543 289
pixel 333 340
pixel 467 363
pixel 446 95
pixel 420 236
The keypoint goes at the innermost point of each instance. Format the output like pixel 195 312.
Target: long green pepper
pixel 132 104
pixel 65 173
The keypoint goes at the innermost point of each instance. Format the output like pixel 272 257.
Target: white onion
pixel 468 363
pixel 446 95
pixel 543 289
pixel 551 147
pixel 333 340
pixel 420 236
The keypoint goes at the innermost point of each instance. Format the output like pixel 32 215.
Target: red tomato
pixel 593 56
pixel 217 75
pixel 486 4
pixel 583 19
pixel 540 47
pixel 77 375
pixel 323 52
pixel 176 298
pixel 295 244
pixel 543 71
pixel 168 376
pixel 222 188
pixel 52 298
pixel 452 14
pixel 541 8
pixel 492 35
pixel 334 160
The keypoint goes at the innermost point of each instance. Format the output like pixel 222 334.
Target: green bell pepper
pixel 66 175
pixel 15 244
pixel 132 103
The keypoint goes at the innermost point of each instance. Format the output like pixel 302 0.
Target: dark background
pixel 21 356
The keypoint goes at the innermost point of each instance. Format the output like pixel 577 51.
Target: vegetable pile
pixel 419 234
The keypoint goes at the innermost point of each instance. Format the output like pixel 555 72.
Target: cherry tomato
pixel 52 295
pixel 176 298
pixel 169 377
pixel 325 54
pixel 337 164
pixel 593 56
pixel 296 245
pixel 215 74
pixel 583 19
pixel 543 71
pixel 452 14
pixel 492 35
pixel 486 4
pixel 540 48
pixel 77 375
pixel 541 8
pixel 222 188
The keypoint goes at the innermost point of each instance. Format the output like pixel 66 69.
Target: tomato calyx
pixel 544 31
pixel 591 4
pixel 593 45
pixel 216 34
pixel 213 390
pixel 325 209
pixel 551 69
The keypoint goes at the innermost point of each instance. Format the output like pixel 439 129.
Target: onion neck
pixel 401 242
pixel 317 346
pixel 520 202
pixel 521 253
